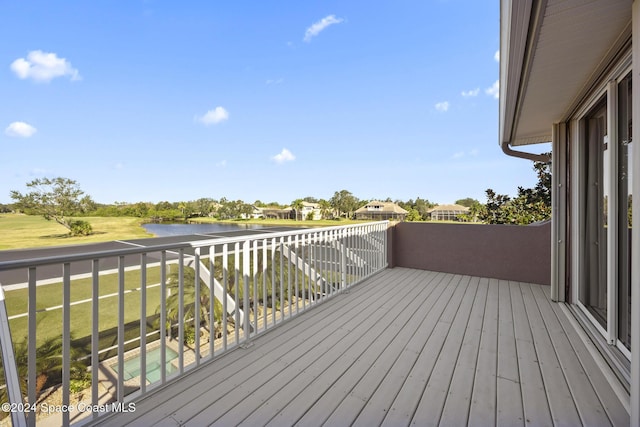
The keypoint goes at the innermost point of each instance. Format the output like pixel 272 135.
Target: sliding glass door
pixel 603 288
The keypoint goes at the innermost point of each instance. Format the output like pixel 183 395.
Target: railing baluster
pixel 264 283
pixel 143 323
pixel 196 306
pixel 304 257
pixel 181 311
pixel 281 287
pixel 31 381
pixel 289 273
pixel 95 331
pixel 236 292
pixel 12 381
pixel 66 338
pixel 254 271
pixel 212 300
pixel 297 258
pixel 246 286
pixel 163 317
pixel 273 281
pixel 225 305
pixel 120 387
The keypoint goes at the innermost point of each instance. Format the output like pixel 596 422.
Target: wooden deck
pixel 405 347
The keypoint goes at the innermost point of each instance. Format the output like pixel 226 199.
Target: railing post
pixel 246 321
pixel 9 363
pixel 343 261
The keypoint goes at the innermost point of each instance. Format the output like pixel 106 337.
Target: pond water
pixel 162 230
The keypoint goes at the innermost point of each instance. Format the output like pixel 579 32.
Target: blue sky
pixel 162 100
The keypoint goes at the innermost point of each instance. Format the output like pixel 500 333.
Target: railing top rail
pixel 110 253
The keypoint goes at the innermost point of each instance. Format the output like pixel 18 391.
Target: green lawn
pixel 27 231
pixel 48 296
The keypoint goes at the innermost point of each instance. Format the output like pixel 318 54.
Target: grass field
pixel 26 231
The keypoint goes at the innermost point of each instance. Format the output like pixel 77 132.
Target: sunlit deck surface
pixel 404 347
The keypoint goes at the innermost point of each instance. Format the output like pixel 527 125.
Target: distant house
pixel 277 213
pixel 447 212
pixel 381 211
pixel 255 214
pixel 310 209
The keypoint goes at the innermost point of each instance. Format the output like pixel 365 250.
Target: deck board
pixel 509 395
pixel 534 396
pixel 406 347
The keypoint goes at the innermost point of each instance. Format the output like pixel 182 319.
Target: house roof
pixel 551 54
pixel 454 207
pixel 311 205
pixel 387 207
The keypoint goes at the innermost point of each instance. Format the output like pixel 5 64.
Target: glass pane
pixel 593 287
pixel 624 211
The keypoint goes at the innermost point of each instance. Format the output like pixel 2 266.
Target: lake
pixel 162 230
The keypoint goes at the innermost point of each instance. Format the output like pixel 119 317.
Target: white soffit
pixel 574 38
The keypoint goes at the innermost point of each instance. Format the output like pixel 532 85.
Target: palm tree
pixel 325 208
pixel 173 301
pixel 48 364
pixel 297 204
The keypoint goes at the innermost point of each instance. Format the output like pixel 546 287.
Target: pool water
pixel 132 366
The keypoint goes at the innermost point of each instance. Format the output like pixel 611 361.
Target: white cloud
pixel 470 93
pixel 118 166
pixel 442 106
pixel 496 56
pixel 222 164
pixel 43 67
pixel 460 154
pixel 275 81
pixel 284 156
pixel 317 27
pixel 494 90
pixel 213 117
pixel 20 130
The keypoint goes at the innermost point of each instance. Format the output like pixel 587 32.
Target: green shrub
pixel 80 382
pixel 190 336
pixel 80 228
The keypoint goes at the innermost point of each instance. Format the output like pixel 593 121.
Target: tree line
pixel 62 200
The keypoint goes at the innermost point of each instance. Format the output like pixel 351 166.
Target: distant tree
pixel 413 215
pixel 531 204
pixel 423 206
pixel 297 205
pixel 245 210
pixel 325 209
pixel 55 199
pixel 310 199
pixel 344 202
pixel 467 202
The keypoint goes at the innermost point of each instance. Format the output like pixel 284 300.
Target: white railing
pixel 145 315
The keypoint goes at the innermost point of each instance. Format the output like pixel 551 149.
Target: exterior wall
pixel 381 216
pixel 509 252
